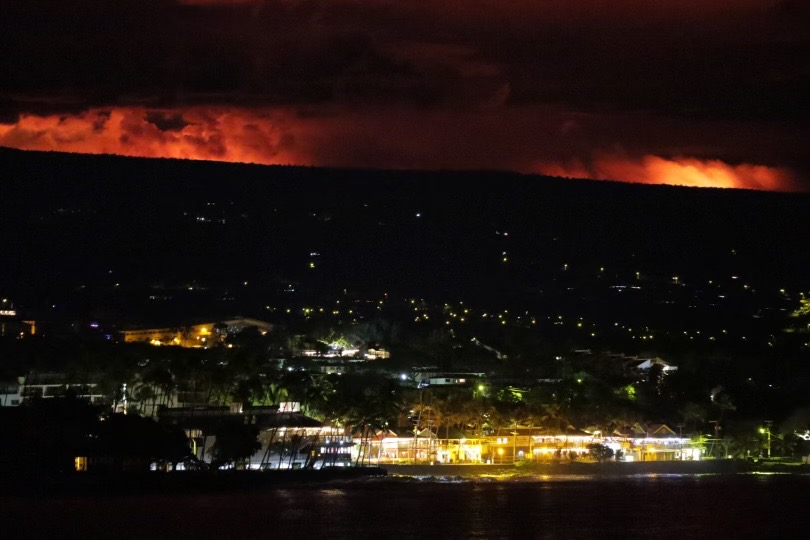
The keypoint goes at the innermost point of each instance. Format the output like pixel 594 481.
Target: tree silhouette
pixel 235 442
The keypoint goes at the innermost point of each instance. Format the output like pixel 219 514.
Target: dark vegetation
pixel 151 242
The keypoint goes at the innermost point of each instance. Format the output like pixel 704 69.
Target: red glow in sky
pixel 280 136
pixel 679 171
pixel 692 92
pixel 216 134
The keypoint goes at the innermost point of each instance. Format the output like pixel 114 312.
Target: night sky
pixel 694 92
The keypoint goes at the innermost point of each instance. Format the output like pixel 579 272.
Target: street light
pixel 767 431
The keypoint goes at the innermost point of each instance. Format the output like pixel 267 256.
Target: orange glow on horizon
pixel 225 134
pixel 678 171
pixel 281 137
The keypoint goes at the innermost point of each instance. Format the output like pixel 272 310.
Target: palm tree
pixel 380 407
pixel 274 393
pixel 454 414
pixel 694 413
pixel 724 403
pixel 362 403
pixel 477 415
pixel 429 414
pixel 555 416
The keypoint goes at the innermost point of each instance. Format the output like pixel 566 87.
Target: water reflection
pixel 707 506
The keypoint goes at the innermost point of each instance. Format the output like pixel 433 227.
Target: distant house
pixel 288 438
pixel 11 393
pixel 653 442
pixel 387 446
pixel 535 444
pixel 424 379
pixel 660 431
pixel 44 385
pixel 648 363
pixel 377 353
pixel 332 368
pixel 200 335
pixel 12 326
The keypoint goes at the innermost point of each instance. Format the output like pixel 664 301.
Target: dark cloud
pixel 165 121
pixel 9 117
pixel 100 121
pixel 730 59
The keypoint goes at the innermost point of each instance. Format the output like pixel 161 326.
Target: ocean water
pixel 645 506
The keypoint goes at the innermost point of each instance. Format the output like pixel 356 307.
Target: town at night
pixel 358 269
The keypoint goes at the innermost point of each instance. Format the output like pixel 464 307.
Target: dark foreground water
pixel 730 506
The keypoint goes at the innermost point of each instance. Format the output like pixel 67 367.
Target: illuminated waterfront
pixel 660 506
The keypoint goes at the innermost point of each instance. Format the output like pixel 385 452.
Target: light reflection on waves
pixel 551 478
pixel 715 506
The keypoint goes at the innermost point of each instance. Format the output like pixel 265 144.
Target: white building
pixel 650 362
pixel 44 385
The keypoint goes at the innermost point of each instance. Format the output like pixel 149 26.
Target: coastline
pixel 180 482
pixel 605 469
pixel 187 482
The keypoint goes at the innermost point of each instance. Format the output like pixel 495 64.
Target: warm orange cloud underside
pixel 281 137
pixel 210 134
pixel 681 171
